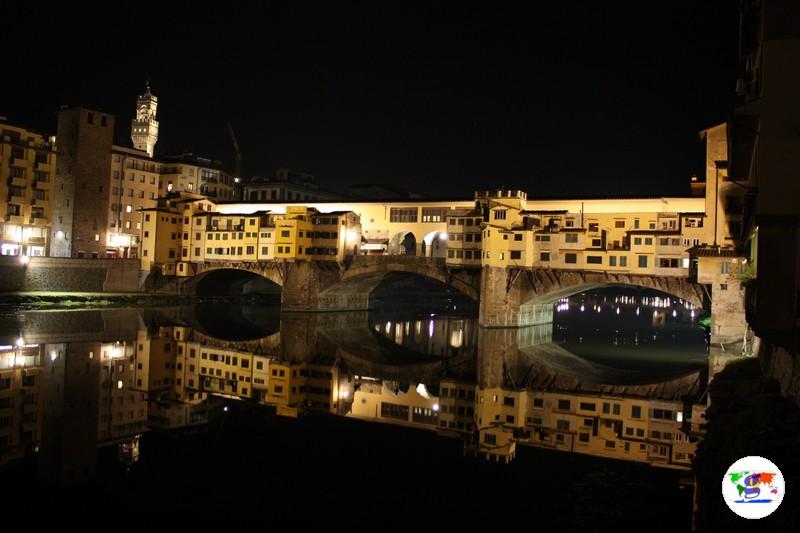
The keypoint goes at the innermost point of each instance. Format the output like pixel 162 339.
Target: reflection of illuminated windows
pixel 457 338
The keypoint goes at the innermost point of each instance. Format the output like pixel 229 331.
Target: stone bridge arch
pixel 365 273
pixel 522 297
pixel 269 270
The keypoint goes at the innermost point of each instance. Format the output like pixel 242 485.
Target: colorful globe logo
pixel 753 487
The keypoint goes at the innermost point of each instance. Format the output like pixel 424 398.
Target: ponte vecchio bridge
pixel 516 256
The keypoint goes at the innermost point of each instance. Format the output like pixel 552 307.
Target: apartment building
pixel 195 174
pixel 27 166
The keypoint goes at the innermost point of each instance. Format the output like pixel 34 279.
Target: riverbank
pixel 46 300
pixel 747 416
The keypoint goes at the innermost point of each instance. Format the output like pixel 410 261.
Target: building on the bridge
pixel 286 186
pixel 27 166
pixel 199 175
pixel 464 233
pixel 171 232
pixel 725 270
pixel 402 227
pixel 655 431
pixel 643 236
pixel 185 229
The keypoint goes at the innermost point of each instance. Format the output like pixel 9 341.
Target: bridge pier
pixel 303 283
pixel 501 302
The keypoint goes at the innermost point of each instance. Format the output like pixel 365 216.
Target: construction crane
pixel 237 166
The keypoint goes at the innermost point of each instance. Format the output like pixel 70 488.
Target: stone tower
pixel 144 128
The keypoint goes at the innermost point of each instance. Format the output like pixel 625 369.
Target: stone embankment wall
pixel 67 274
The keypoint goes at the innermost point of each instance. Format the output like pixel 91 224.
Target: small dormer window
pixel 500 214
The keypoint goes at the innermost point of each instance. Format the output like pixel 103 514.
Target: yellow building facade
pixel 659 432
pixel 186 229
pixel 648 236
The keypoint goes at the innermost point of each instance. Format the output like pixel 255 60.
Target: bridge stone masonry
pixel 332 286
pixel 509 297
pixel 525 297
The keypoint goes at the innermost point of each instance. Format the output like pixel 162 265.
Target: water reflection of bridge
pixel 439 373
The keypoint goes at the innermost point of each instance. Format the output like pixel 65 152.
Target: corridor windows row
pixel 463 254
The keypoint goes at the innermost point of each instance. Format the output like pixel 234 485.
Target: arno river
pixel 348 413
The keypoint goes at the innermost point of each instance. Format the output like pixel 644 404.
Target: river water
pixel 403 413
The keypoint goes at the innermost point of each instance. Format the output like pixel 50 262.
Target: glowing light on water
pixel 674 313
pixel 637 310
pixel 582 308
pixel 617 310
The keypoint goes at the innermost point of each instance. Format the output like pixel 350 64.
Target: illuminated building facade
pixel 186 229
pixel 27 167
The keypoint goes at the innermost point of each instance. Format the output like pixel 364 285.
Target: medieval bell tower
pixel 144 128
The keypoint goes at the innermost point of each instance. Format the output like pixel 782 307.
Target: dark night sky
pixel 559 99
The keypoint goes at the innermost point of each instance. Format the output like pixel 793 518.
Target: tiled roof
pixel 711 251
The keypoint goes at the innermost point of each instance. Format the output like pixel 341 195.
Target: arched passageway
pixel 403 243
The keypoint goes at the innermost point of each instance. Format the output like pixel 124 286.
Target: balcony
pixel 36 221
pixel 17 182
pixel 15 219
pixel 36 240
